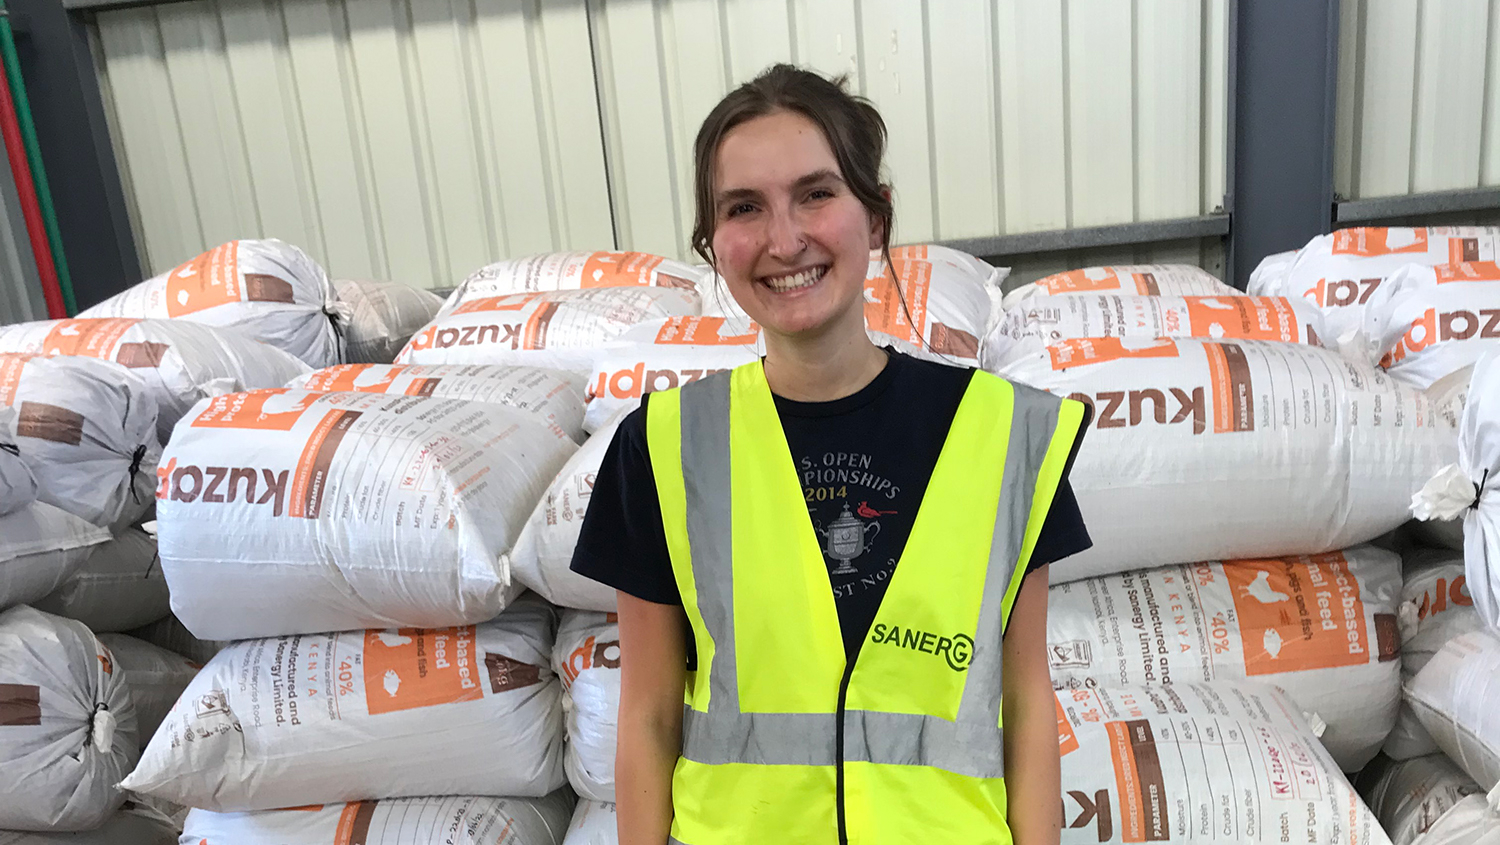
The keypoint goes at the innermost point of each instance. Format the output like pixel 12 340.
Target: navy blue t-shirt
pixel 864 462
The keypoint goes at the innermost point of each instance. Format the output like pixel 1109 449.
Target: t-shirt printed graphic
pixel 863 463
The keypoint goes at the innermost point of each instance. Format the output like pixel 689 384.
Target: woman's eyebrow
pixel 824 175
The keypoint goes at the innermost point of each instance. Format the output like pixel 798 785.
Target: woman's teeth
pixel 782 284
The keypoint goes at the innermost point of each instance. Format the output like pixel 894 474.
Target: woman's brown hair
pixel 854 130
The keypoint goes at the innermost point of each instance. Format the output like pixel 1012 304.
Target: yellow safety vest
pixel 784 743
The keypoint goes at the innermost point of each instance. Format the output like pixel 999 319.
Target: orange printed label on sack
pixel 509 302
pixel 415 667
pixel 1468 271
pixel 618 269
pixel 1230 384
pixel 1372 241
pixel 1067 740
pixel 354 823
pixel 1073 352
pixel 10 376
pixel 92 338
pixel 915 252
pixel 209 280
pixel 1298 613
pixel 266 410
pixel 702 331
pixel 1081 281
pixel 1443 596
pixel 1239 317
pixel 343 378
pixel 316 461
pixel 883 300
pixel 1138 781
pixel 592 654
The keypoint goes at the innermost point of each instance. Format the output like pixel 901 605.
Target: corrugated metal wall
pixel 1419 96
pixel 418 139
pixel 412 141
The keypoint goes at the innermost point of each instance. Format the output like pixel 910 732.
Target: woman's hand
pixel 653 666
pixel 1033 768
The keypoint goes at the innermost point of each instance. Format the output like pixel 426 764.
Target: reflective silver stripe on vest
pixel 972 745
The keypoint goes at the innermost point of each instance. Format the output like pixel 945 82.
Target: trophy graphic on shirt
pixel 845 539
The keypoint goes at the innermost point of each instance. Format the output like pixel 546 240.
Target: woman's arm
pixel 1033 769
pixel 653 655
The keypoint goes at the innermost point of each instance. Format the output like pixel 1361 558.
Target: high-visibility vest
pixel 781 741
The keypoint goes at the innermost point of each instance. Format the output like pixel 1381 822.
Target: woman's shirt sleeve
pixel 622 543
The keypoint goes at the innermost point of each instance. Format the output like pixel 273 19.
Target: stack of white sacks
pixel 1424 305
pixel 86 406
pixel 372 558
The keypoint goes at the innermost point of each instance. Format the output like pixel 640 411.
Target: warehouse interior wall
pixel 416 140
pixel 1418 97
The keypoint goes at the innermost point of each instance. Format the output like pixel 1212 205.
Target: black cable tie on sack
pixel 1479 489
pixel 135 467
pixel 338 331
pixel 11 448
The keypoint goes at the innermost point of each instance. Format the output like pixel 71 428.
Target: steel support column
pixel 1283 84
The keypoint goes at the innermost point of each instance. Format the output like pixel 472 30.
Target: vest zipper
pixel 838 765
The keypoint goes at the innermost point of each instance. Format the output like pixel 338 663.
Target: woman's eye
pixel 741 208
pixel 820 194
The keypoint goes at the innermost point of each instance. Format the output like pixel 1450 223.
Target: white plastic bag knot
pixel 102 730
pixel 1445 496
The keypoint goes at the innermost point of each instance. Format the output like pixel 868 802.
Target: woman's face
pixel 790 238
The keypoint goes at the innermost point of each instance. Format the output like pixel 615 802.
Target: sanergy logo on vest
pixel 958 649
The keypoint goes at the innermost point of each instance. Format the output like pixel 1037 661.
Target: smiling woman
pixel 832 538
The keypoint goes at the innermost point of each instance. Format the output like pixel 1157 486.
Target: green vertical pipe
pixel 34 157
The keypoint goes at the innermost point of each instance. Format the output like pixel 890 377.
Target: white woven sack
pixel 543 555
pixel 1159 763
pixel 119 587
pixel 266 289
pixel 587 658
pixel 169 633
pixel 350 716
pixel 1043 321
pixel 447 820
pixel 936 309
pixel 87 429
pixel 1435 608
pixel 1265 279
pixel 556 329
pixel 1341 272
pixel 180 362
pixel 1474 820
pixel 1455 698
pixel 156 678
pixel 382 318
pixel 1137 279
pixel 1470 489
pixel 661 355
pixel 1409 796
pixel 555 271
pixel 67 725
pixel 981 270
pixel 40 548
pixel 1320 627
pixel 1203 450
pixel 18 487
pixel 1426 323
pixel 554 396
pixel 293 511
pixel 593 823
pixel 133 824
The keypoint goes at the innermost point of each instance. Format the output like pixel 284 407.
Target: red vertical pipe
pixel 31 210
